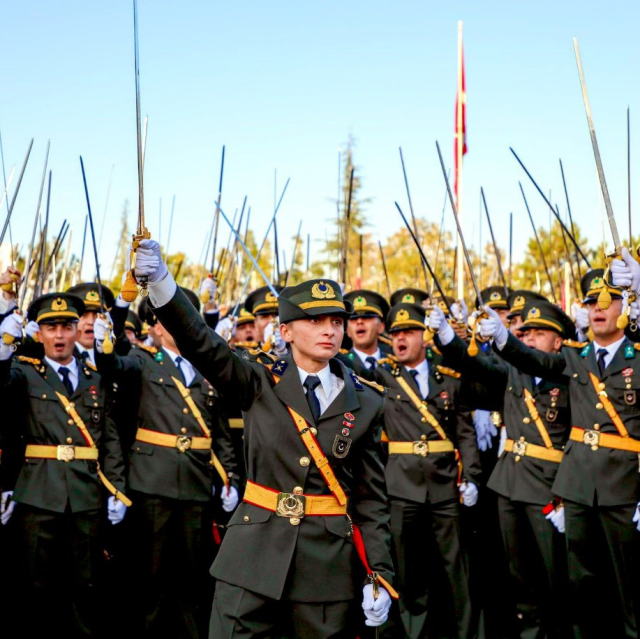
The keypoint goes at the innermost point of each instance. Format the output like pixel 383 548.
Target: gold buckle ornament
pixel 591 438
pixel 183 444
pixel 421 449
pixel 66 453
pixel 520 448
pixel 291 505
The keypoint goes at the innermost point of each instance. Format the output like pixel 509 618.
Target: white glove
pixel 12 324
pixel 485 428
pixel 229 498
pixel 438 324
pixel 115 510
pixel 460 312
pixel 32 330
pixel 375 610
pixel 581 316
pixel 149 262
pixel 626 272
pixel 556 517
pixel 101 327
pixel 7 505
pixel 636 517
pixel 279 345
pixel 226 328
pixel 208 290
pixel 493 327
pixel 469 492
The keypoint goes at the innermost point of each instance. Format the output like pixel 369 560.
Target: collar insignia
pixel 356 382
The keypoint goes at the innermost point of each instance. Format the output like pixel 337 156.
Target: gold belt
pixel 421 448
pixel 181 442
pixel 293 505
pixel 595 439
pixel 64 452
pixel 522 448
pixel 236 422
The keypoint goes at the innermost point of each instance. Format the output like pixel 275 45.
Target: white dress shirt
pixel 612 349
pixel 187 369
pixel 329 388
pixel 73 370
pixel 422 378
pixel 363 356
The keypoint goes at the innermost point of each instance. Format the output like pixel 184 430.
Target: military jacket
pixel 29 387
pixel 316 560
pixel 610 477
pixel 432 478
pixel 528 479
pixel 147 374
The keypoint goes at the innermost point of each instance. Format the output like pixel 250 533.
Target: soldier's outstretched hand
pixel 149 262
pixel 626 272
pixel 493 327
pixel 438 324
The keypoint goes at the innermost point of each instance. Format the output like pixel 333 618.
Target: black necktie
pixel 371 362
pixel 84 356
pixel 179 361
pixel 311 383
pixel 602 353
pixel 414 374
pixel 64 371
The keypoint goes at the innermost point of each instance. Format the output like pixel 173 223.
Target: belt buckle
pixel 291 505
pixel 591 438
pixel 66 453
pixel 183 444
pixel 519 448
pixel 421 449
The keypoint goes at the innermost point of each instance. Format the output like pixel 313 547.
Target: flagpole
pixel 459 150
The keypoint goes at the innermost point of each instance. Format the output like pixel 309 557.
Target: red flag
pixel 460 122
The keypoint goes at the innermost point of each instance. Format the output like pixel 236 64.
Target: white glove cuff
pixel 446 333
pixel 161 292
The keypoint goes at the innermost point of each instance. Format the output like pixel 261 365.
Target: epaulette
pixel 381 389
pixel 258 353
pixel 573 344
pixel 435 349
pixel 389 362
pixel 344 351
pixel 636 346
pixel 385 340
pixel 150 349
pixel 90 365
pixel 246 345
pixel 30 360
pixel 449 371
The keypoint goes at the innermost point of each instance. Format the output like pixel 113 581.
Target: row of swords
pixel 132 287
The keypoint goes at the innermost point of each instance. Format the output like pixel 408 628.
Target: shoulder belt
pixel 449 371
pixel 381 389
pixel 195 411
pixel 316 453
pixel 609 407
pixel 422 407
pixel 537 420
pixel 573 344
pixel 73 413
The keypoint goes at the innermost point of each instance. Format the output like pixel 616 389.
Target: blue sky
pixel 284 84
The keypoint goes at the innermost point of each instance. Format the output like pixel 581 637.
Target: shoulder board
pixel 390 361
pixel 246 345
pixel 88 364
pixel 150 349
pixel 381 389
pixel 258 352
pixel 385 340
pixel 636 346
pixel 278 367
pixel 344 351
pixel 29 360
pixel 449 371
pixel 435 349
pixel 573 344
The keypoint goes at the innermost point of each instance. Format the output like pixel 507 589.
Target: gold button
pixel 161 380
pixel 44 396
pixel 304 461
pixel 69 440
pixel 522 438
pixel 185 411
pixel 72 405
pixel 599 406
pixel 518 458
pixel 137 449
pixel 210 393
pixel 575 374
pixel 297 490
pixel 526 420
pixel 314 431
pixel 594 448
pixel 423 420
pixel 70 422
pixel 628 386
pixel 294 521
pixel 183 430
pixel 95 404
pixel 510 387
pixel 398 396
pixel 596 427
pixel 246 517
pixel 423 438
pixel 601 386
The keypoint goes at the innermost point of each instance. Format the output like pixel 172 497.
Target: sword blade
pixel 15 193
pixel 141 222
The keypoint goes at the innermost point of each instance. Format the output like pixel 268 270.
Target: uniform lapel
pixel 84 380
pixel 53 379
pixel 408 377
pixel 590 361
pixel 347 399
pixel 290 392
pixel 619 361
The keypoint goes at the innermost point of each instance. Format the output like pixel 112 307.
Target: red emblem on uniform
pixel 349 416
pixel 627 372
pixel 347 424
pixel 554 392
pixel 346 432
pixel 93 390
pixel 444 395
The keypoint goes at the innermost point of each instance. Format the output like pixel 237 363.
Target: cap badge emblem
pixel 58 305
pixel 322 291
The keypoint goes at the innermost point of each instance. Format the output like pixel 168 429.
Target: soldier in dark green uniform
pixel 263 304
pixel 315 496
pixel 364 329
pixel 70 453
pixel 182 454
pixel 433 461
pixel 537 421
pixel 598 479
pixel 516 302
